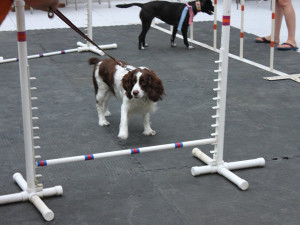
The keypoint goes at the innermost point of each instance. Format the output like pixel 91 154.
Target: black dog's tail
pixel 94 61
pixel 129 5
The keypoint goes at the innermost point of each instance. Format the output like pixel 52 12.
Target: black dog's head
pixel 207 7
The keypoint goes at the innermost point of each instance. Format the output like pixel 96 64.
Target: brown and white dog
pixel 138 90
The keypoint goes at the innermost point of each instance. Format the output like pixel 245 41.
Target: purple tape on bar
pixel 63 52
pixel 89 157
pixel 179 145
pixel 42 163
pixel 135 150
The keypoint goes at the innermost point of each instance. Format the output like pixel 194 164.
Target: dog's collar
pixel 198 6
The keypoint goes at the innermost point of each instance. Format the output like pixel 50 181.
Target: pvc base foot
pixel 33 197
pixel 89 48
pixel 224 168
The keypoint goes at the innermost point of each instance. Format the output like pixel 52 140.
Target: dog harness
pixel 184 12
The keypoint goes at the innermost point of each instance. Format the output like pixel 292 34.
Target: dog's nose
pixel 135 92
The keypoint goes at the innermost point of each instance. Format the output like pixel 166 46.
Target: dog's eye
pixel 134 80
pixel 143 83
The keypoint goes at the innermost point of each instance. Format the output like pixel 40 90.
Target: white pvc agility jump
pixel 216 164
pixel 81 46
pixel 33 191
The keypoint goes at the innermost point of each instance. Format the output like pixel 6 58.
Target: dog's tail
pixel 94 61
pixel 129 5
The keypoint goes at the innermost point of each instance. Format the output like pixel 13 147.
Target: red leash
pixel 70 24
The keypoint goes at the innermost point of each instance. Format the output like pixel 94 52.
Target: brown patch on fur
pixel 94 61
pixel 128 81
pixel 152 85
pixel 107 71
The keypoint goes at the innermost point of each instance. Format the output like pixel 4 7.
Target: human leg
pixel 278 21
pixel 290 18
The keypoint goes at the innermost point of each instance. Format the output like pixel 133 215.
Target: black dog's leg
pixel 146 19
pixel 184 34
pixel 173 36
pixel 144 44
pixel 142 37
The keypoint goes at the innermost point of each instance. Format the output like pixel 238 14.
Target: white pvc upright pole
pixel 26 97
pixel 222 84
pixel 272 36
pixel 89 22
pixel 215 23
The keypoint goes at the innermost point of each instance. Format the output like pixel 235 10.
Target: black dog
pixel 170 13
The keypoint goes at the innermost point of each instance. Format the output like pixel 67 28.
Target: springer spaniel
pixel 138 90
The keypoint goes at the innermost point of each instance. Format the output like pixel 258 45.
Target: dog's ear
pixel 153 85
pixel 128 82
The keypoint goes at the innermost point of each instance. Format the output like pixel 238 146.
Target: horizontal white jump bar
pixel 79 49
pixel 125 152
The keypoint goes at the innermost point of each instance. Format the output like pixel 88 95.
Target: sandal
pixel 262 40
pixel 290 47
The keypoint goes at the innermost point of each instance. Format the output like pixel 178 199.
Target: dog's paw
pixel 173 44
pixel 190 47
pixel 104 123
pixel 122 136
pixel 149 132
pixel 107 113
pixel 143 48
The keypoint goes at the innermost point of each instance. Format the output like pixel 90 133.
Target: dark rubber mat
pixel 262 120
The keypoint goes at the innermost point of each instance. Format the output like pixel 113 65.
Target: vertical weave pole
pixel 272 37
pixel 89 22
pixel 242 29
pixel 217 164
